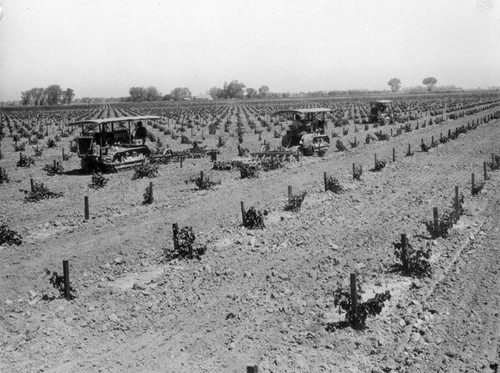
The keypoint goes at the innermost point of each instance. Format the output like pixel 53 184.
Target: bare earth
pixel 261 297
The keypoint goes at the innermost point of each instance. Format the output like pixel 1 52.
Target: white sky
pixel 101 48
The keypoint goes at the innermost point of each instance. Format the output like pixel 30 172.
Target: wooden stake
pixel 175 235
pixel 353 170
pixel 354 299
pixel 394 154
pixel 457 203
pixel 473 183
pixel 324 179
pixel 485 171
pixel 86 202
pixel 201 177
pixel 67 294
pixel 436 221
pixel 243 213
pixel 404 257
pixel 181 161
pixel 32 184
pixel 63 154
pixel 289 192
pixel 151 192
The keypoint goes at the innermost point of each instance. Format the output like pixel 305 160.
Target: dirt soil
pixel 257 297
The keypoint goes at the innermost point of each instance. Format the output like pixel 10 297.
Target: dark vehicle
pixel 109 144
pixel 379 112
pixel 307 133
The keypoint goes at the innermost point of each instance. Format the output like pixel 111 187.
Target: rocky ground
pixel 262 297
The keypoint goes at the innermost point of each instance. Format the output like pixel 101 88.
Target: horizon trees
pixel 138 94
pixel 52 95
pixel 180 93
pixel 395 84
pixel 430 82
pixel 236 89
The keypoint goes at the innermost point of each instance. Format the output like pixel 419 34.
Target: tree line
pixel 141 94
pixel 395 83
pixel 231 90
pixel 236 89
pixel 52 95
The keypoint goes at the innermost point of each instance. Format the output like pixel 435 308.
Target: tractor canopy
pixel 115 130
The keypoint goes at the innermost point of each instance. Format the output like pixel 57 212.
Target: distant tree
pixel 181 93
pixel 152 94
pixel 26 97
pixel 430 82
pixel 54 94
pixel 395 84
pixel 69 95
pixel 235 89
pixel 137 94
pixel 168 97
pixel 215 92
pixel 263 91
pixel 39 96
pixel 251 93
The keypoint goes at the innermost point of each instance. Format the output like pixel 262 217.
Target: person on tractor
pixel 141 133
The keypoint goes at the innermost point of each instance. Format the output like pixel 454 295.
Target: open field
pixel 257 297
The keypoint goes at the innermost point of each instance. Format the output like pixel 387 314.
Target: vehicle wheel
pixel 300 152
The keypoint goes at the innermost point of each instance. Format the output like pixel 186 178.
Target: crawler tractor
pixel 379 112
pixel 109 144
pixel 306 134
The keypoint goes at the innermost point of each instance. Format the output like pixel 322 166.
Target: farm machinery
pixel 195 152
pixel 306 135
pixel 112 144
pixel 379 112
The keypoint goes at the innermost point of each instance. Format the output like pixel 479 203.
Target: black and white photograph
pixel 267 186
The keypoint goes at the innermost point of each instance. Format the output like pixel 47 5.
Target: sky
pixel 101 48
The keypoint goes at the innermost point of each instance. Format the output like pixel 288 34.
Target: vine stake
pixel 404 256
pixel 243 213
pixel 67 294
pixel 354 299
pixel 86 203
pixel 436 221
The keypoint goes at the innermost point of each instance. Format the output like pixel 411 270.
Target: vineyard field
pixel 262 297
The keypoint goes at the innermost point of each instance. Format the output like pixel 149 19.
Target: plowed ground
pixel 261 297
